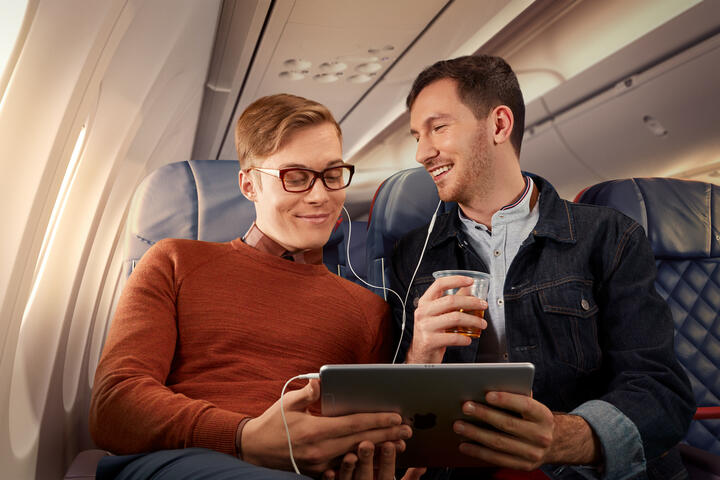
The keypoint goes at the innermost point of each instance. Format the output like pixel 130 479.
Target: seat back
pixel 402 203
pixel 201 200
pixel 682 221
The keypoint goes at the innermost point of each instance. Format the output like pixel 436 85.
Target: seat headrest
pixel 198 199
pixel 681 217
pixel 404 202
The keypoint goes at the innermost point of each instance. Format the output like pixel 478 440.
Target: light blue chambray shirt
pixel 623 452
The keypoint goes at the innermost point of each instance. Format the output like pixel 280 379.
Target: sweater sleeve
pixel 132 410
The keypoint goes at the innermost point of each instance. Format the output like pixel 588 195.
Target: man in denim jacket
pixel 572 291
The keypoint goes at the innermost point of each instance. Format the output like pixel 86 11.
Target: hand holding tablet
pixel 429 397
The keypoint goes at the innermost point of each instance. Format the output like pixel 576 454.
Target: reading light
pixel 370 67
pixel 292 75
pixel 327 77
pixel 360 78
pixel 655 127
pixel 333 67
pixel 297 64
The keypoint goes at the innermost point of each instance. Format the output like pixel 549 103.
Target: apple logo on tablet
pixel 424 421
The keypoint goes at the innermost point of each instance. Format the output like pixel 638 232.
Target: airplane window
pixel 56 214
pixel 11 19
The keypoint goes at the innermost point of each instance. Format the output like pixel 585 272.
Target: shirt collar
pixel 257 239
pixel 556 217
pixel 514 211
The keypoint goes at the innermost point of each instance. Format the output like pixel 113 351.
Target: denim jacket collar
pixel 556 220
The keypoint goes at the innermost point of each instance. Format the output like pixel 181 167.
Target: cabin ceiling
pixel 354 57
pixel 565 53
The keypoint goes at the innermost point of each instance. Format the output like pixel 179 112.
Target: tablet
pixel 428 396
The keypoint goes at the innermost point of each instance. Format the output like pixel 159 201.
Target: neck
pixel 507 188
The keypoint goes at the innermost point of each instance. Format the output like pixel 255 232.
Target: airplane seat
pixel 201 200
pixel 682 221
pixel 335 252
pixel 84 465
pixel 403 202
pixel 197 200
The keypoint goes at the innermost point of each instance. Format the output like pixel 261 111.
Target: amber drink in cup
pixel 479 289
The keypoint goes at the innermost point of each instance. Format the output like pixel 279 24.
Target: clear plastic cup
pixel 479 289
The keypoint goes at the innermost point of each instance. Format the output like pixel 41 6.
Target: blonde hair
pixel 268 121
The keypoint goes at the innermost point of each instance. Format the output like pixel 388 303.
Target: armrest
pixel 84 465
pixel 700 464
pixel 703 413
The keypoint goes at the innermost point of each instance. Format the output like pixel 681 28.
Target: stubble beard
pixel 476 183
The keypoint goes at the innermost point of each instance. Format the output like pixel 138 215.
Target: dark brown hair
pixel 483 83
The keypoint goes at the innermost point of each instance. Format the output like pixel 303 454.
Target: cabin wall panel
pixel 38 118
pixel 160 122
pixel 36 122
pixel 142 112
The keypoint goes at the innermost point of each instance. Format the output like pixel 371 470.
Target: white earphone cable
pixel 282 414
pixel 403 302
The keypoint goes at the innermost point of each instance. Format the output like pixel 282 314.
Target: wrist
pixel 574 442
pixel 247 446
pixel 409 356
pixel 238 437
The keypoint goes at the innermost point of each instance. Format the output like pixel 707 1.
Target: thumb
pixel 414 473
pixel 299 400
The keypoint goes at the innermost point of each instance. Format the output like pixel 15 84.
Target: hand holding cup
pixel 479 288
pixel 442 318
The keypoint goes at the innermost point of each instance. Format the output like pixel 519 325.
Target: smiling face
pixel 453 145
pixel 297 221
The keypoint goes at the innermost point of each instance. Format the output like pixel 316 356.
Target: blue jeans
pixel 185 464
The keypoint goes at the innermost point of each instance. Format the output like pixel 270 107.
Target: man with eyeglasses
pixel 206 334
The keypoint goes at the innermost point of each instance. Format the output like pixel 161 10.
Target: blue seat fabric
pixel 682 221
pixel 402 203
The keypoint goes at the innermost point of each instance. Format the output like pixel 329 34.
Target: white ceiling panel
pixel 461 29
pixel 314 32
pixel 340 45
pixel 545 153
pixel 614 132
pixel 401 14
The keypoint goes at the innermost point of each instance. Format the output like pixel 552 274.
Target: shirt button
pixel 501 216
pixel 585 304
pixel 496 253
pixel 500 301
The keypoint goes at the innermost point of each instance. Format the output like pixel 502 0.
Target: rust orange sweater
pixel 206 334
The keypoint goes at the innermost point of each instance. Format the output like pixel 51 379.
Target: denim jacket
pixel 581 305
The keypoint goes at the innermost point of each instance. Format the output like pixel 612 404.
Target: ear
pixel 247 187
pixel 502 124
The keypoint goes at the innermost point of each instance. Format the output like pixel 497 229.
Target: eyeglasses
pixel 298 180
